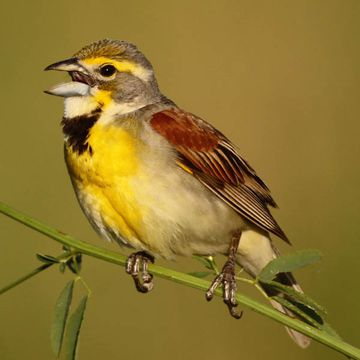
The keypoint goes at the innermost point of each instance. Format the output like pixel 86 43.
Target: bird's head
pixel 108 72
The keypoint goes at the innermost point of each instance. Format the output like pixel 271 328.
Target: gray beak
pixel 81 84
pixel 66 65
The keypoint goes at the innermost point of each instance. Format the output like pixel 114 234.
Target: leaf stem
pixel 84 284
pixel 25 277
pixel 32 273
pixel 178 277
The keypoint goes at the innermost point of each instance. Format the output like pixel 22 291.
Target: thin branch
pixel 32 273
pixel 181 278
pixel 24 278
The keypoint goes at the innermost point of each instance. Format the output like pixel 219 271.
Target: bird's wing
pixel 209 156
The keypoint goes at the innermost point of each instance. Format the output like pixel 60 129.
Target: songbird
pixel 158 179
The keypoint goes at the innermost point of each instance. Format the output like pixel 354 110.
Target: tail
pixel 254 253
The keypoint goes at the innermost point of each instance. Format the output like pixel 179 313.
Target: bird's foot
pixel 138 263
pixel 227 279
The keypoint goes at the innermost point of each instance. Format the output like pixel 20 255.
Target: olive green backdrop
pixel 280 78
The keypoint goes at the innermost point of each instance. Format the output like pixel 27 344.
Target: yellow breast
pixel 103 177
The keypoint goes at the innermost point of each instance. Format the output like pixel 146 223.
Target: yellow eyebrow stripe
pixel 122 66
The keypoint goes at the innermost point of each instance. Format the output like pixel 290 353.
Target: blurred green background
pixel 280 78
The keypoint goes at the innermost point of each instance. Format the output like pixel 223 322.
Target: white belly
pixel 181 216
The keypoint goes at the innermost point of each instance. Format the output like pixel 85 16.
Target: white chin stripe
pixel 79 105
pixel 69 89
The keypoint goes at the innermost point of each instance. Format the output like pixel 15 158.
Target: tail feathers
pixel 255 251
pixel 288 279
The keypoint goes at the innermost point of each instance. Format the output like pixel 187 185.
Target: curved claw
pixel 234 313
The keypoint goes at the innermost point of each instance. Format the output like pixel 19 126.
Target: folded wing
pixel 209 156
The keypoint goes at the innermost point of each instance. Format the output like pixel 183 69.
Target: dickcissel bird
pixel 158 179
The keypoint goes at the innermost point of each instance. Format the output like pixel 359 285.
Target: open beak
pixel 81 82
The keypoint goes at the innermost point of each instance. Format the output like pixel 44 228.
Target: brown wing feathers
pixel 215 162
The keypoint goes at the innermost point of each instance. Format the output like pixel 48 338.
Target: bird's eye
pixel 107 70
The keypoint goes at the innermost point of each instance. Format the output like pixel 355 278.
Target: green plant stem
pixel 181 278
pixel 24 278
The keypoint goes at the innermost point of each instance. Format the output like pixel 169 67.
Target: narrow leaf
pixel 62 267
pixel 204 260
pixel 74 263
pixel 60 316
pixel 297 311
pixel 307 317
pixel 73 329
pixel 200 274
pixel 297 296
pixel 47 259
pixel 288 263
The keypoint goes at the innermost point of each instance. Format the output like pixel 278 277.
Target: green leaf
pixel 62 267
pixel 208 262
pixel 298 296
pixel 47 259
pixel 74 263
pixel 73 329
pixel 296 310
pixel 199 274
pixel 204 260
pixel 308 316
pixel 60 316
pixel 288 263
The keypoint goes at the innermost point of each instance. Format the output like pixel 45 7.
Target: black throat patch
pixel 77 129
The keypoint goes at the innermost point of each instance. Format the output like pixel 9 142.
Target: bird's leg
pixel 135 261
pixel 227 279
